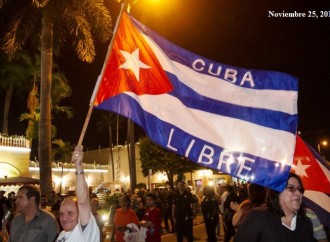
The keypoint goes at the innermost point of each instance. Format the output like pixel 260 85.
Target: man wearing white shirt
pixel 76 217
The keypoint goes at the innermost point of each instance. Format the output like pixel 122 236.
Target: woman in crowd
pixel 282 219
pixel 123 216
pixel 256 197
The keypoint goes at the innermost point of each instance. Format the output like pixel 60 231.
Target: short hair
pixel 31 191
pixel 152 196
pixel 208 191
pixel 128 200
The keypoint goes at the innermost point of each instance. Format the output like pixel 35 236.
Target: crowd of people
pixel 31 218
pixel 247 213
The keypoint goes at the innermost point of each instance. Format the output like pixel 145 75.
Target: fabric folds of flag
pixel 240 121
pixel 315 175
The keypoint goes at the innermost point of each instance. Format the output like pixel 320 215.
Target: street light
pixel 322 143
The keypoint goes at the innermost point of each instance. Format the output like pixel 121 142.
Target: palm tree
pixel 62 151
pixel 60 90
pixel 19 73
pixel 58 20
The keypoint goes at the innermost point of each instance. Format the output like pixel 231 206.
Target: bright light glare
pixel 104 218
pixel 324 143
pixel 15 149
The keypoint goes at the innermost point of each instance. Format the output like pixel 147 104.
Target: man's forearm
pixel 82 191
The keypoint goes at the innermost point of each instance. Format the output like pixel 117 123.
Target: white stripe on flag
pixel 235 135
pixel 320 198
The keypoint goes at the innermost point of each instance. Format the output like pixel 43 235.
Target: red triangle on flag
pixel 132 66
pixel 306 165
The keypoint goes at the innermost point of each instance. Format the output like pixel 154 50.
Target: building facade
pixel 100 171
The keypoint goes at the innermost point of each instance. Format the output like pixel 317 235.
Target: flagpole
pixel 97 85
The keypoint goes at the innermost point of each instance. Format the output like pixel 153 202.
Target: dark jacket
pixel 264 225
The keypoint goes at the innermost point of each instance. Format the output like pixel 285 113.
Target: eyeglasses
pixel 294 189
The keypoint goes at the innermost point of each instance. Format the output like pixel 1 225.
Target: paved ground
pixel 199 232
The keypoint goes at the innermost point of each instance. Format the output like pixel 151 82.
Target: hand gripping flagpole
pixel 100 77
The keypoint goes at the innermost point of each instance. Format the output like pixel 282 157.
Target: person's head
pixel 6 205
pixel 69 213
pixel 150 200
pixel 43 200
pixel 28 197
pixel 2 193
pixel 100 190
pixel 290 199
pixel 182 185
pixel 230 189
pixel 95 205
pixel 256 193
pixel 188 189
pixel 12 195
pixel 124 201
pixel 208 191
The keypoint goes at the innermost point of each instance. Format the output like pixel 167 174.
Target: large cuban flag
pixel 315 175
pixel 239 121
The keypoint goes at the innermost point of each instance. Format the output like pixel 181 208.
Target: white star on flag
pixel 300 169
pixel 133 62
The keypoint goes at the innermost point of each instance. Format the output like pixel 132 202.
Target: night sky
pixel 232 32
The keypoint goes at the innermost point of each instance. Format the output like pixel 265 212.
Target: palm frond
pixel 99 17
pixel 63 109
pixel 40 3
pixel 19 29
pixel 60 87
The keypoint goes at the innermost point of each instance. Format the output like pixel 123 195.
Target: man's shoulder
pixel 45 215
pixel 17 218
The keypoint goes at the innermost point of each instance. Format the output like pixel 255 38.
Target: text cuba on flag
pixel 240 121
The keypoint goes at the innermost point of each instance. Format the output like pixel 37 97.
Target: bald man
pixel 76 217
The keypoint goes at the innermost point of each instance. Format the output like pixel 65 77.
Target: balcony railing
pixel 71 165
pixel 14 141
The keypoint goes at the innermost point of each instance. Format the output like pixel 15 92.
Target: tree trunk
pixel 44 148
pixel 111 153
pixel 132 164
pixel 6 108
pixel 170 179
